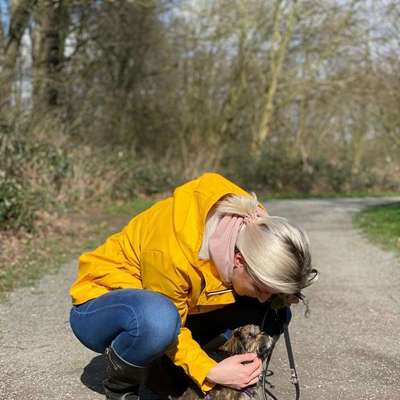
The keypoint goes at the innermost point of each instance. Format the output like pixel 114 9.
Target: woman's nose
pixel 263 297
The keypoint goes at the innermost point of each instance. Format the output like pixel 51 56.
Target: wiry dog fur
pixel 246 339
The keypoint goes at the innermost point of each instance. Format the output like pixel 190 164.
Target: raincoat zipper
pixel 216 292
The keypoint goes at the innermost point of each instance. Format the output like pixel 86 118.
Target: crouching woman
pixel 202 261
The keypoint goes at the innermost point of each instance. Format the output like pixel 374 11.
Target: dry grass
pixel 25 257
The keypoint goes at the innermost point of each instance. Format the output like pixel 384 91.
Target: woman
pixel 190 267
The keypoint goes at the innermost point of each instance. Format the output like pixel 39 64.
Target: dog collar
pixel 249 391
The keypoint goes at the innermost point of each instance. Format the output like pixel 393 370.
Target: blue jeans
pixel 138 324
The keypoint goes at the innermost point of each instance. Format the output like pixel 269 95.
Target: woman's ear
pixel 238 260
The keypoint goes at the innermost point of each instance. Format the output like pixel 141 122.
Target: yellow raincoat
pixel 158 250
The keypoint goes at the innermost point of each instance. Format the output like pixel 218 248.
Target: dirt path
pixel 349 347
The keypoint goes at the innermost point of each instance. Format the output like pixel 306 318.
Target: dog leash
pixel 293 373
pixel 293 377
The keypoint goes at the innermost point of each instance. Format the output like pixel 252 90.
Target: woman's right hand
pixel 237 371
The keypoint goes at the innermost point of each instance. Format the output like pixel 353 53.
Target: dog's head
pixel 249 339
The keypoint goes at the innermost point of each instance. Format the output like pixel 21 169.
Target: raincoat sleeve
pixel 161 276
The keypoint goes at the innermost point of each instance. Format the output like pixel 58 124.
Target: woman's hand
pixel 237 371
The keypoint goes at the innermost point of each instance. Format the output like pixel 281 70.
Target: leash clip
pixel 293 377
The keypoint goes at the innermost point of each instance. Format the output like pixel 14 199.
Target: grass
pixel 381 224
pixel 29 257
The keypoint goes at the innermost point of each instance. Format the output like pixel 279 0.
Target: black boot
pixel 123 379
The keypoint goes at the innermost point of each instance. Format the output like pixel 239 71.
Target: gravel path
pixel 349 347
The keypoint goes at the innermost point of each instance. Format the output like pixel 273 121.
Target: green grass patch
pixel 37 255
pixel 381 224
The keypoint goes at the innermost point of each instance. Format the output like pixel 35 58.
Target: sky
pixel 4 13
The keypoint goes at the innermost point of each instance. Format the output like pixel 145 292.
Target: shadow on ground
pixel 94 374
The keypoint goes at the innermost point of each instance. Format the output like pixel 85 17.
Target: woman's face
pixel 245 285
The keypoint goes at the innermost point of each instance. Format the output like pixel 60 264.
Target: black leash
pixel 293 377
pixel 293 373
pixel 283 322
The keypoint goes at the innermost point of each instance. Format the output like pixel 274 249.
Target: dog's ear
pixel 234 344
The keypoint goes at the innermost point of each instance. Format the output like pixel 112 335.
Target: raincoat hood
pixel 191 204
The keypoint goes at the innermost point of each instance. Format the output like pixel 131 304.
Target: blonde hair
pixel 277 253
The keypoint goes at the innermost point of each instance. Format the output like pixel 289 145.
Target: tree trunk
pixel 20 14
pixel 278 54
pixel 47 87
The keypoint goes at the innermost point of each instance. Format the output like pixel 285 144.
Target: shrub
pixel 31 173
pixel 143 177
pixel 17 205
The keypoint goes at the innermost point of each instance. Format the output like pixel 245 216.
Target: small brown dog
pixel 246 339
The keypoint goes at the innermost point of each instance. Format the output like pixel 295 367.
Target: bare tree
pixel 20 13
pixel 276 59
pixel 49 60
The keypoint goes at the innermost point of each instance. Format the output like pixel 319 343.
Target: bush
pixel 273 172
pixel 279 172
pixel 145 177
pixel 17 205
pixel 31 173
